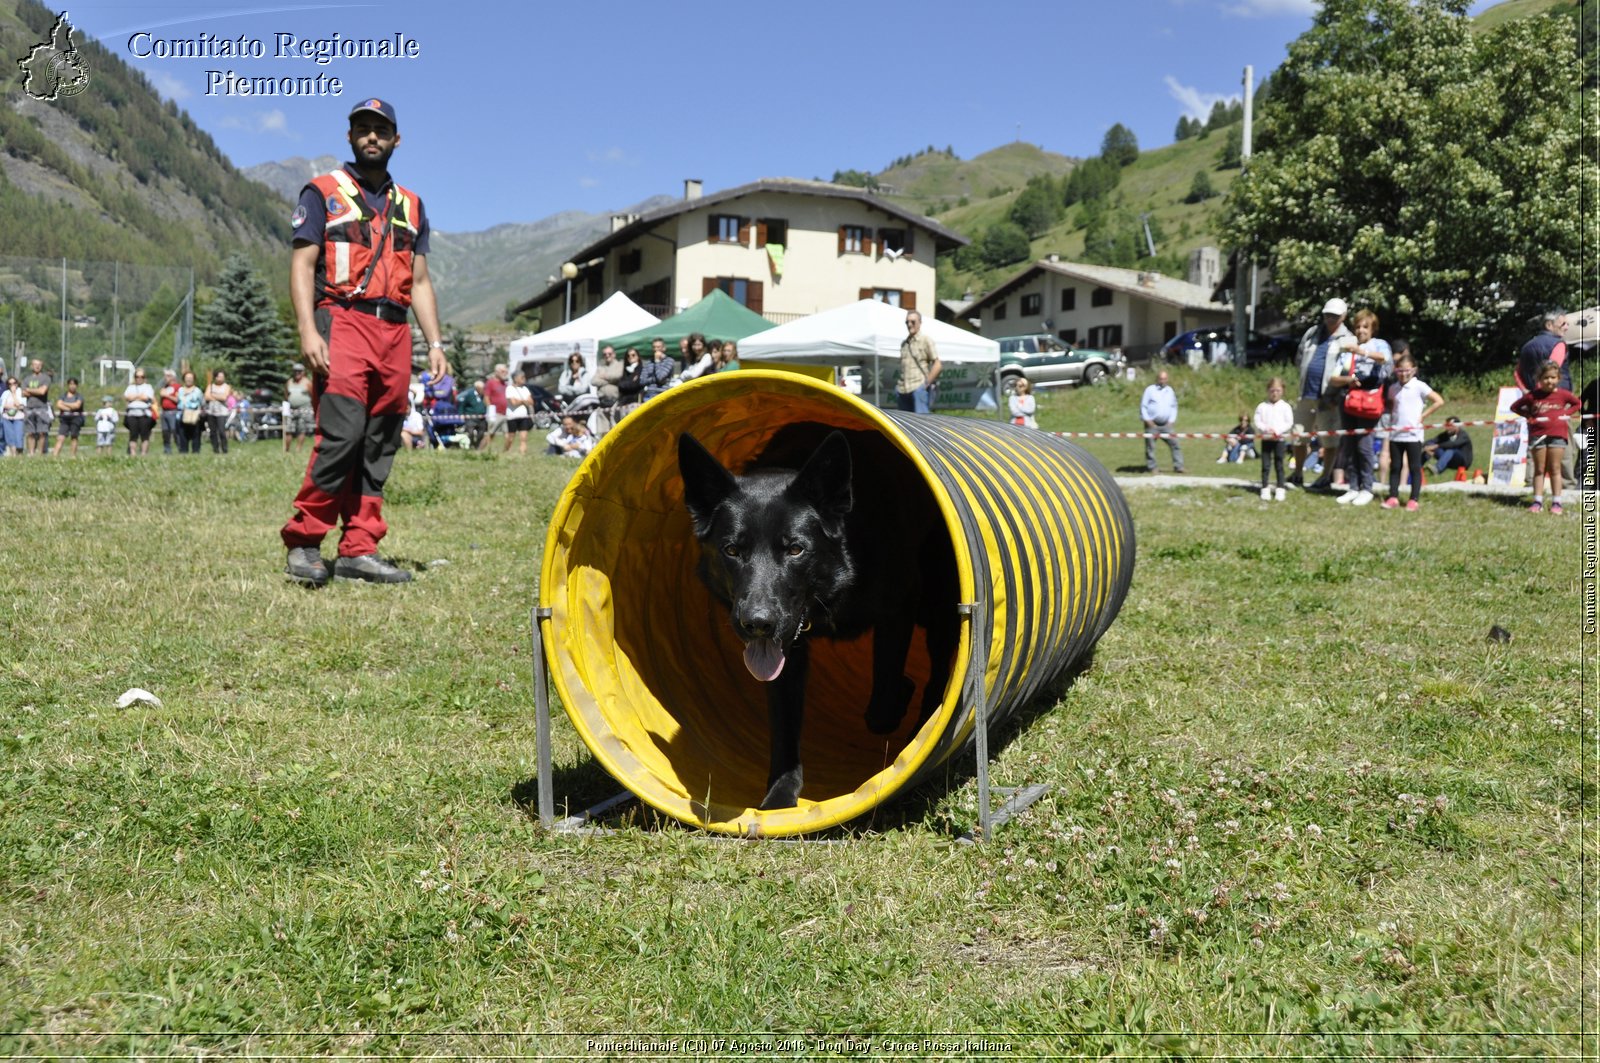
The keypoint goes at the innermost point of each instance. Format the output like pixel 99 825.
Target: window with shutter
pixel 744 292
pixel 893 296
pixel 1032 304
pixel 855 240
pixel 1069 298
pixel 908 300
pixel 865 293
pixel 897 241
pixel 744 232
pixel 773 231
pixel 1000 311
pixel 1100 297
pixel 725 229
pixel 1103 336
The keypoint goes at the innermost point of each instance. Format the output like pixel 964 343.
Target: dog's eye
pixel 795 550
pixel 730 551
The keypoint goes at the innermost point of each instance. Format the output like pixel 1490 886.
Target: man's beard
pixel 378 162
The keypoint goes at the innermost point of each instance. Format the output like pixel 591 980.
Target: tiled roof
pixel 1145 284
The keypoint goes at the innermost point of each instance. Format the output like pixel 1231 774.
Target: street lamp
pixel 569 270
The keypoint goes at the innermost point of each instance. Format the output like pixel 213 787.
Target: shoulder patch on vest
pixel 335 205
pixel 298 218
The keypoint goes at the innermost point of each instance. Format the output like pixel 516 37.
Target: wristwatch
pixel 436 346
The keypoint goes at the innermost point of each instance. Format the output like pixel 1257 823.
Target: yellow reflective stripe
pixel 347 186
pixel 400 208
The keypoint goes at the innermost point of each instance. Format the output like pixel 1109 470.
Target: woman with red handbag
pixel 1361 371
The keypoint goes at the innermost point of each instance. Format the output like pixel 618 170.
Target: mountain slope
pixel 115 174
pixel 288 176
pixel 936 180
pixel 1157 183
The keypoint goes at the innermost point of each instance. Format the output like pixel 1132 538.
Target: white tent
pixel 866 334
pixel 613 317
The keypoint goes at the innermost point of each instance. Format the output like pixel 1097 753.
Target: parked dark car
pixel 1048 361
pixel 1197 347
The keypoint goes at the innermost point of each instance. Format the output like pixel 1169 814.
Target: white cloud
pixel 588 182
pixel 169 86
pixel 613 156
pixel 1270 8
pixel 1193 102
pixel 274 121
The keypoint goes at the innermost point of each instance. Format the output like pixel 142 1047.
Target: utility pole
pixel 63 319
pixel 1241 330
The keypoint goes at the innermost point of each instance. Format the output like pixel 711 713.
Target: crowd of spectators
pixel 1363 410
pixel 31 408
pixel 1358 419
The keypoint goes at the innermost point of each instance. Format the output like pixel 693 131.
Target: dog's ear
pixel 824 482
pixel 706 483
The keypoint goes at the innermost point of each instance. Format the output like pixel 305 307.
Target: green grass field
pixel 1299 805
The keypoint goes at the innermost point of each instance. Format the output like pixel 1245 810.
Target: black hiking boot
pixel 306 566
pixel 371 568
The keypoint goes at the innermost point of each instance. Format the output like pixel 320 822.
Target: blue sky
pixel 511 112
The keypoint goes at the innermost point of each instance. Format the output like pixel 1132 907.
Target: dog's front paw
pixel 784 791
pixel 885 712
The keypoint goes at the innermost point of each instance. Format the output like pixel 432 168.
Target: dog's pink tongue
pixel 764 658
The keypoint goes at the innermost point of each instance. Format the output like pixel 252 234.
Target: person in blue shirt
pixel 1159 411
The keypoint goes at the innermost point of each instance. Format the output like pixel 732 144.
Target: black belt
pixel 382 311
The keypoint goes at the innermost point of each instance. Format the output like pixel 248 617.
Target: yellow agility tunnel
pixel 649 667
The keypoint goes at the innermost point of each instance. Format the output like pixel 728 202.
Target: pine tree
pixel 1119 145
pixel 1219 115
pixel 241 329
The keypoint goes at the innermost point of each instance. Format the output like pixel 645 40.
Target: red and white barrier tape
pixel 1293 436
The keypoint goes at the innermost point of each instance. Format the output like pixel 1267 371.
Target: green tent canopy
pixel 716 317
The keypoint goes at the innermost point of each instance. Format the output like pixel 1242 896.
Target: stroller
pixel 548 409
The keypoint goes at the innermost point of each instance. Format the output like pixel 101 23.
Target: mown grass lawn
pixel 1300 805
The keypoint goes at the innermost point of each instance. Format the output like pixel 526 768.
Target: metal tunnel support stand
pixel 546 780
pixel 1016 798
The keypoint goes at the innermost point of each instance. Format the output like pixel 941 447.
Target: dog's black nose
pixel 758 625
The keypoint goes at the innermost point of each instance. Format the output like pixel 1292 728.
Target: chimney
pixel 622 221
pixel 1054 257
pixel 691 188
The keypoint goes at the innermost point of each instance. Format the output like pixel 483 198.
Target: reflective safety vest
pixel 352 267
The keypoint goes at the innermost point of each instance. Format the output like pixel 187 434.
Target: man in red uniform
pixel 359 262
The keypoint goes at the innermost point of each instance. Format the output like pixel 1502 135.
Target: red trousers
pixel 360 406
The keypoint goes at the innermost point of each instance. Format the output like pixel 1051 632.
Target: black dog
pixel 836 549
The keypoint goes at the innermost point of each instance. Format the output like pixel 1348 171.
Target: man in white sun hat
pixel 1319 349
